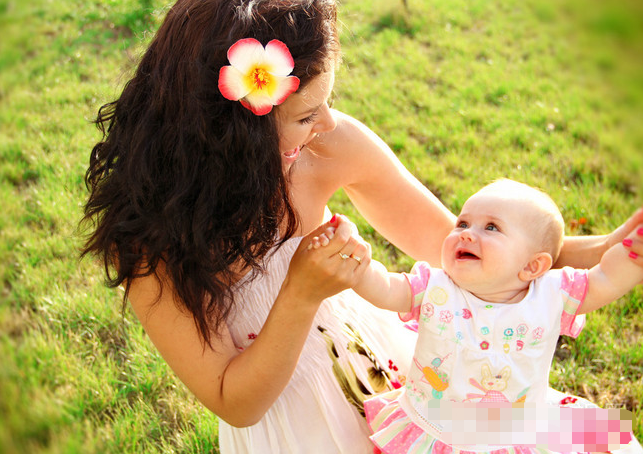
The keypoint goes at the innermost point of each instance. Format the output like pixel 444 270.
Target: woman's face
pixel 304 115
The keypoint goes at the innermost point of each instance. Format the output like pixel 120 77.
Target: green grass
pixel 549 93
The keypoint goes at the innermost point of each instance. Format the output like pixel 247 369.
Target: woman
pixel 206 190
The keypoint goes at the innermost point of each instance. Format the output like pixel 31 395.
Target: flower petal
pixel 258 102
pixel 284 87
pixel 257 110
pixel 258 77
pixel 246 53
pixel 281 62
pixel 232 84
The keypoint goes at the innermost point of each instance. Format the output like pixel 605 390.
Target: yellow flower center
pixel 260 78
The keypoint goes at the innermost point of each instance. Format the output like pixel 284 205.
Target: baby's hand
pixel 319 269
pixel 323 239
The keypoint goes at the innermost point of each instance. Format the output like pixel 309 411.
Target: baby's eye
pixel 461 225
pixel 491 227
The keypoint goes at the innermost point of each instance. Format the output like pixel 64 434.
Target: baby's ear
pixel 538 265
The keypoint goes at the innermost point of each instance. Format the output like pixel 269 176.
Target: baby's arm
pixel 613 277
pixel 383 289
pixel 379 287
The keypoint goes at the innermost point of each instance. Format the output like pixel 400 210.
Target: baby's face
pixel 493 240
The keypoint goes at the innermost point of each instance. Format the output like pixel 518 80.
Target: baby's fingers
pixel 314 243
pixel 322 240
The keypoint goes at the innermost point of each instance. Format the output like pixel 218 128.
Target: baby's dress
pixel 469 350
pixel 353 351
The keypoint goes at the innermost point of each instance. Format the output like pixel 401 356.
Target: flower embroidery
pixel 537 334
pixel 252 336
pixel 445 317
pixel 427 311
pixel 396 382
pixel 258 76
pixel 484 345
pixel 568 400
pixel 466 314
pixel 522 330
pixel 508 334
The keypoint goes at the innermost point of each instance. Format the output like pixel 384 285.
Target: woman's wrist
pixel 583 251
pixel 299 298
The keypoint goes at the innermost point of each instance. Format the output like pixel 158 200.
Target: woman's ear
pixel 538 265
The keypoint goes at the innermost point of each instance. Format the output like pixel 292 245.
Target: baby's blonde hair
pixel 545 219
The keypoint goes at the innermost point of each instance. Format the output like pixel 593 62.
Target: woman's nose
pixel 327 121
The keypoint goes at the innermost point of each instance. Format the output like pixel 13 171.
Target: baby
pixel 489 321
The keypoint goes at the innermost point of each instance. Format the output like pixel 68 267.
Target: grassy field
pixel 546 92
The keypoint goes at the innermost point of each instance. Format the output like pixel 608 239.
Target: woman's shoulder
pixel 347 134
pixel 348 150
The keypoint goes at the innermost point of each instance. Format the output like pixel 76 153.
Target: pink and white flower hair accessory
pixel 258 76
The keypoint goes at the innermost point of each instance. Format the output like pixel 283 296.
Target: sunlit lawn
pixel 549 93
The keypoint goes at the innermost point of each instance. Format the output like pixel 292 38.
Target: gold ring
pixel 343 256
pixel 356 258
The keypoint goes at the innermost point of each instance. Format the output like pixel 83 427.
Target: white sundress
pixel 353 351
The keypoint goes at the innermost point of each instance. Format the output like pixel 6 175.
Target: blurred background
pixel 546 92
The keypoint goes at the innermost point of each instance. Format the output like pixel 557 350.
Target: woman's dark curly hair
pixel 186 178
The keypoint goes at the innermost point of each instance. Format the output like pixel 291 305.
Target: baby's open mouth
pixel 465 255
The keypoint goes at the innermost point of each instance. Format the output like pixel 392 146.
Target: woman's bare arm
pixel 391 199
pixel 586 251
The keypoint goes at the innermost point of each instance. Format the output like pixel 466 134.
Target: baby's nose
pixel 467 235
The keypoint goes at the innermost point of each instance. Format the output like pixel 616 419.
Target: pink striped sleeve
pixel 418 279
pixel 573 287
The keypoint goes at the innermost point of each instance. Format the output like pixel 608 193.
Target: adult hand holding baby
pixel 633 228
pixel 330 259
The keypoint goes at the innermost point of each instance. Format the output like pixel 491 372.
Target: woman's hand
pixel 330 259
pixel 585 251
pixel 634 244
pixel 633 225
pixel 630 234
